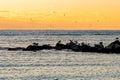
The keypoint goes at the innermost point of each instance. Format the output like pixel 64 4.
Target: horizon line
pixel 53 30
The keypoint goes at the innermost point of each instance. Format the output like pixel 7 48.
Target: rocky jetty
pixel 113 47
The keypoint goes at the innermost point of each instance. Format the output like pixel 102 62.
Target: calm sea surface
pixel 57 65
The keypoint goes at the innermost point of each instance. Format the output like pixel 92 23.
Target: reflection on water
pixel 53 65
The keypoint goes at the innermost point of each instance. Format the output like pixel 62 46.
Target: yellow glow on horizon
pixel 58 14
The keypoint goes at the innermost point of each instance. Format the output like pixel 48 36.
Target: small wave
pixel 3 48
pixel 63 34
pixel 43 65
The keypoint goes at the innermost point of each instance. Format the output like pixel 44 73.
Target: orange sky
pixel 60 14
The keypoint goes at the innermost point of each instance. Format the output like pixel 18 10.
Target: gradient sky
pixel 60 14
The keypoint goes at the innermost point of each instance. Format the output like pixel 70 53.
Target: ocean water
pixel 57 65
